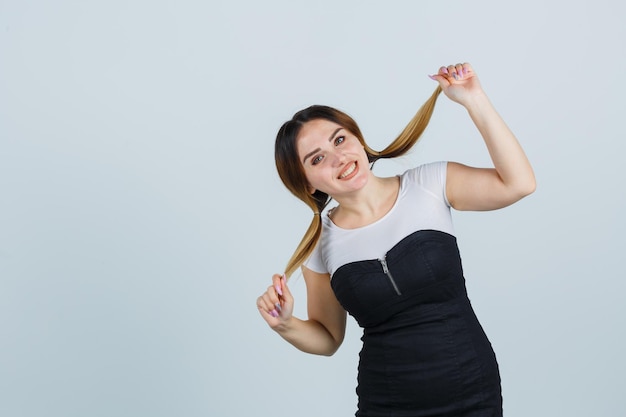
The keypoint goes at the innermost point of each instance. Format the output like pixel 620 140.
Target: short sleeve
pixel 315 262
pixel 432 178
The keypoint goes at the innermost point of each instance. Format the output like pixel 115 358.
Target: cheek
pixel 318 179
pixel 358 147
pixel 313 178
pixel 308 174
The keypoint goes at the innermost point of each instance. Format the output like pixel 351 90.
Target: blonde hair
pixel 292 174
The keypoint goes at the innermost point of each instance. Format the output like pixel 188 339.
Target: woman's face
pixel 334 160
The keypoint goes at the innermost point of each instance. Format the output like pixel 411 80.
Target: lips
pixel 350 169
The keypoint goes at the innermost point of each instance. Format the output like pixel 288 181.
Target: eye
pixel 339 140
pixel 317 160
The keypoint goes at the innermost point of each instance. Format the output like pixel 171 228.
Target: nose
pixel 338 158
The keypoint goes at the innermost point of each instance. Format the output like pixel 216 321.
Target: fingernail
pixel 456 77
pixel 432 77
pixel 278 307
pixel 278 289
pixel 464 71
pixel 273 313
pixel 445 70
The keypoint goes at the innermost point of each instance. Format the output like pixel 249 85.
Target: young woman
pixel 386 254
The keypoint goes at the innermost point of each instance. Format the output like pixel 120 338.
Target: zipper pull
pixel 383 262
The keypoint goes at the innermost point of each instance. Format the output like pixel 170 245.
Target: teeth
pixel 348 171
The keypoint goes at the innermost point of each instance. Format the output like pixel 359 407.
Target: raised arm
pixel 323 332
pixel 512 177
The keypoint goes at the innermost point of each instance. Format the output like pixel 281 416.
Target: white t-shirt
pixel 421 205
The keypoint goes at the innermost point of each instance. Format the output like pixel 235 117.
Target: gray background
pixel 141 215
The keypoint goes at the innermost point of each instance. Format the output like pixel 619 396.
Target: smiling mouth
pixel 348 171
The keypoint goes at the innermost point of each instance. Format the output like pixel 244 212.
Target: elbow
pixel 518 191
pixel 527 188
pixel 332 348
pixel 530 186
pixel 320 350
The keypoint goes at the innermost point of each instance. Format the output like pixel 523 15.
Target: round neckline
pixel 391 210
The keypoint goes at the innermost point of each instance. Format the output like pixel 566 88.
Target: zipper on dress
pixel 383 262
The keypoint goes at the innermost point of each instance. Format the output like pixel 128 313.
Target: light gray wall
pixel 141 215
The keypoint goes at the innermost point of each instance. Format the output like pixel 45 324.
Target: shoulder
pixel 316 260
pixel 427 173
pixel 431 177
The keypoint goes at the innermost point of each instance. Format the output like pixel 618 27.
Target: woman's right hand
pixel 323 331
pixel 276 304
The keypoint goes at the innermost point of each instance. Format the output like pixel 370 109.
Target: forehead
pixel 314 131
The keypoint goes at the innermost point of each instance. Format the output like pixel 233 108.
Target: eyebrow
pixel 318 149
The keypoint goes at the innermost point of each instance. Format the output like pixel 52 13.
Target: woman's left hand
pixel 459 82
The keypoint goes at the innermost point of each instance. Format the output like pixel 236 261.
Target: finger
pixel 452 72
pixel 268 300
pixel 458 68
pixel 269 316
pixel 270 306
pixel 262 306
pixel 268 312
pixel 441 79
pixel 286 291
pixel 467 69
pixel 276 281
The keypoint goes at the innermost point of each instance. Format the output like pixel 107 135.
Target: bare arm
pixel 512 177
pixel 323 332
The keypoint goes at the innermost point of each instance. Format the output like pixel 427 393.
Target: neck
pixel 367 205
